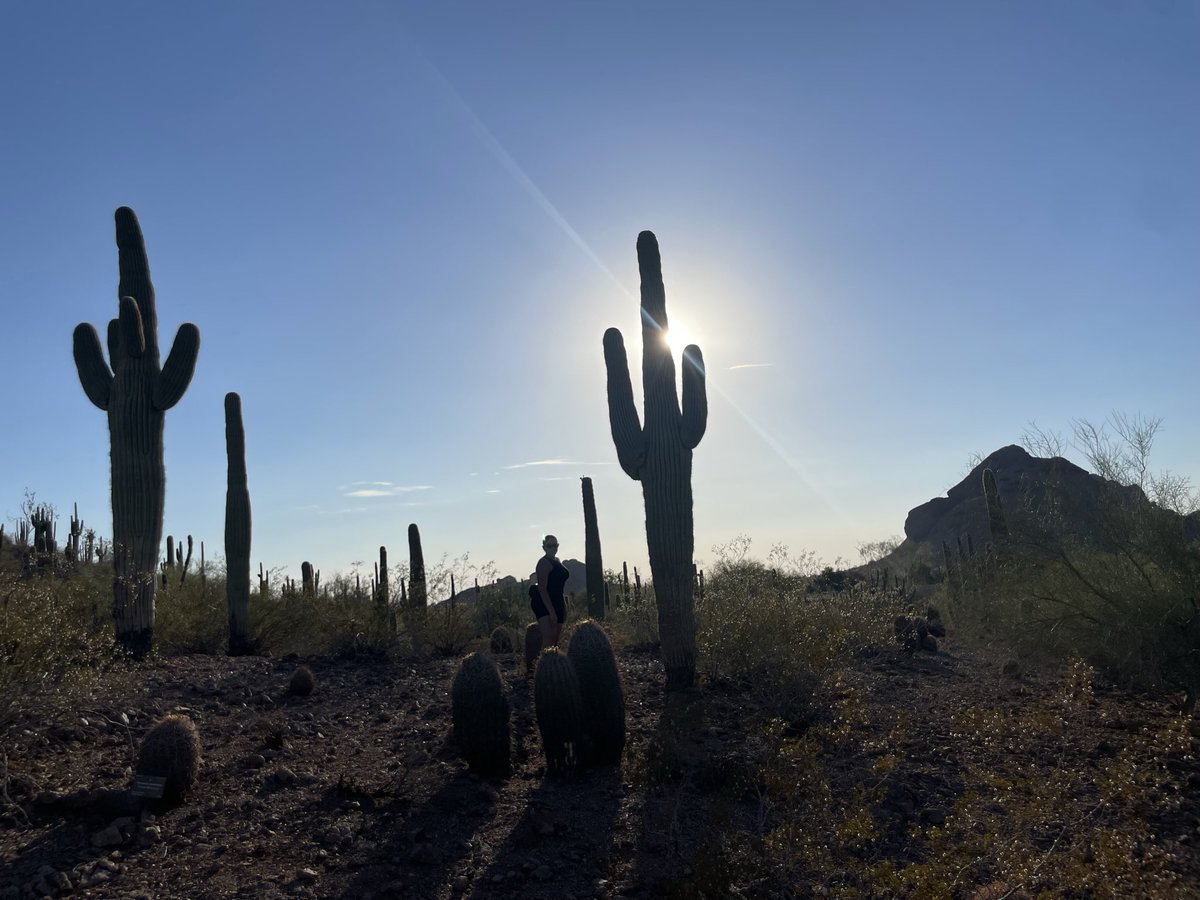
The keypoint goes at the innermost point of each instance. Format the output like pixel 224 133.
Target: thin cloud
pixel 382 489
pixel 492 491
pixel 553 462
pixel 752 366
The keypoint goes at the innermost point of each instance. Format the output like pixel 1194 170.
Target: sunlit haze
pixel 899 233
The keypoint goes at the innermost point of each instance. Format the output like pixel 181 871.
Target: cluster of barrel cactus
pixel 579 701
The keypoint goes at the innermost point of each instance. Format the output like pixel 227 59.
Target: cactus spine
pixel 237 529
pixel 136 393
pixel 480 715
pixel 591 553
pixel 416 569
pixel 659 455
pixel 600 685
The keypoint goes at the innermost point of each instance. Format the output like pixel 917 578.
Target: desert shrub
pixel 449 627
pixel 757 624
pixel 633 624
pixel 52 628
pixel 1124 596
pixel 192 617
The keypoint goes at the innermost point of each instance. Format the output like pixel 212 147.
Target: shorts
pixel 539 608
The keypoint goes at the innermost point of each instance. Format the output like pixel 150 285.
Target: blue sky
pixel 899 232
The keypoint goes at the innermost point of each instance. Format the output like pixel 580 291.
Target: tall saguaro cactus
pixel 237 529
pixel 594 567
pixel 659 455
pixel 417 596
pixel 136 392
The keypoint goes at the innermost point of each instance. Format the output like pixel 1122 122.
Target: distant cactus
pixel 600 684
pixel 302 682
pixel 417 595
pixel 559 705
pixel 502 640
pixel 136 393
pixel 171 750
pixel 381 594
pixel 237 529
pixel 991 495
pixel 480 715
pixel 533 645
pixel 593 563
pixel 659 455
pixel 308 577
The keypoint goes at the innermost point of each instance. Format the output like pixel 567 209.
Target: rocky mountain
pixel 1029 487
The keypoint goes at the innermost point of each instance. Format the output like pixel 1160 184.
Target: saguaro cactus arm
pixel 627 433
pixel 695 397
pixel 177 373
pixel 94 373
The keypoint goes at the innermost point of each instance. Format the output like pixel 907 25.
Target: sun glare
pixel 678 337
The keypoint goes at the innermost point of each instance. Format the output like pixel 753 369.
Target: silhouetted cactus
pixel 600 686
pixel 659 455
pixel 237 529
pixel 991 495
pixel 382 590
pixel 501 640
pixel 533 645
pixel 307 577
pixel 171 750
pixel 417 596
pixel 302 681
pixel 480 715
pixel 593 564
pixel 559 706
pixel 136 393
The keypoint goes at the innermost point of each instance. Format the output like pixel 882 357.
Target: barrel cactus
pixel 600 685
pixel 135 392
pixel 171 750
pixel 480 715
pixel 533 645
pixel 501 640
pixel 659 455
pixel 559 704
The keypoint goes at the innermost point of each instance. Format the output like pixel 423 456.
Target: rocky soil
pixel 357 791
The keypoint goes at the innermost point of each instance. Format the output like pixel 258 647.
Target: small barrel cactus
pixel 559 705
pixel 171 750
pixel 533 645
pixel 502 640
pixel 480 715
pixel 303 682
pixel 600 685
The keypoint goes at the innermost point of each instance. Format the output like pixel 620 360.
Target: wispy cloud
pixel 752 366
pixel 381 489
pixel 492 491
pixel 554 462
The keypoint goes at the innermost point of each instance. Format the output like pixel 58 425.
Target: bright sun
pixel 678 337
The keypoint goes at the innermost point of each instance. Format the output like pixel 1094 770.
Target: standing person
pixel 546 593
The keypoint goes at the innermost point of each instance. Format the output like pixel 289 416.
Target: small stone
pixel 108 837
pixel 307 874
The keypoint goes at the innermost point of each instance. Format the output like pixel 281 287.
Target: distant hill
pixel 1026 484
